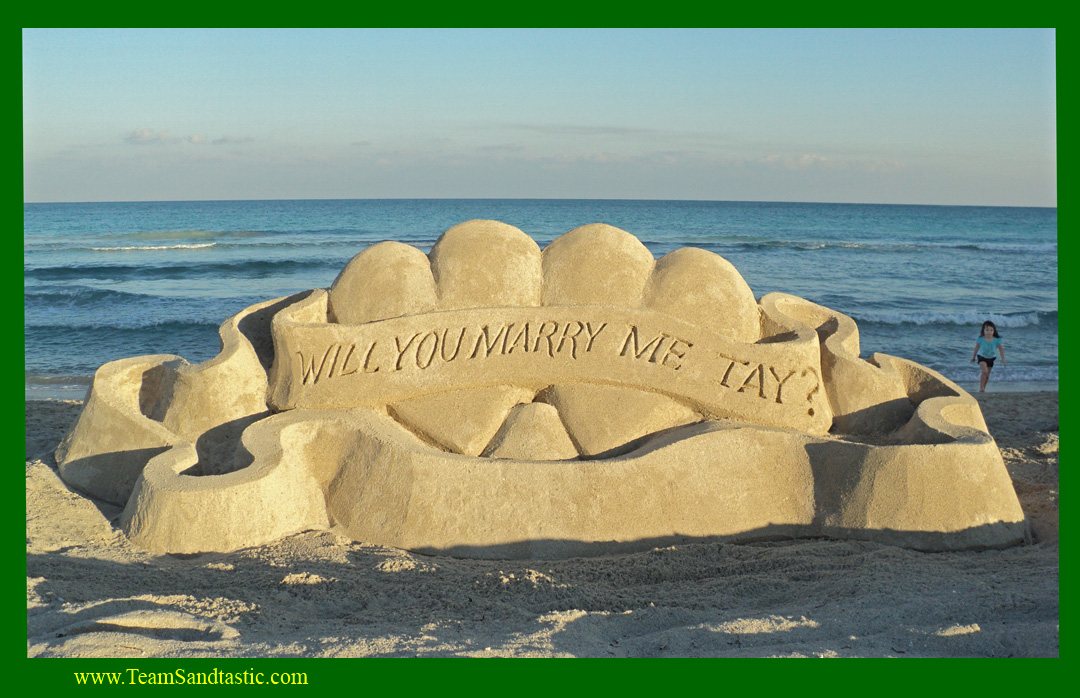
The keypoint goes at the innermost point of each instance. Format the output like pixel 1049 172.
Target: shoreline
pixel 90 593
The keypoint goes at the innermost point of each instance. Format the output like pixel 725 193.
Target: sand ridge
pixel 91 593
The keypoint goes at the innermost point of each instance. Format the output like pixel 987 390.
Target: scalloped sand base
pixel 319 594
pixel 492 400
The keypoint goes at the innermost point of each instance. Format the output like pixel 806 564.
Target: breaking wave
pixel 154 248
pixel 970 317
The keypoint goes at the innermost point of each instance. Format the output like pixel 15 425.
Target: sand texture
pixel 90 593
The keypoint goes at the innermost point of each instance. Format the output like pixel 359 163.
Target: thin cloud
pixel 698 140
pixel 143 136
pixel 501 148
pixel 801 161
pixel 230 140
pixel 599 157
pixel 589 131
pixel 853 162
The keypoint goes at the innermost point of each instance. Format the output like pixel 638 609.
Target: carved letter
pixel 592 335
pixel 524 333
pixel 540 334
pixel 506 336
pixel 653 344
pixel 345 364
pixel 656 351
pixel 420 363
pixel 723 381
pixel 626 344
pixel 457 347
pixel 401 350
pixel 760 371
pixel 817 386
pixel 367 359
pixel 780 383
pixel 333 364
pixel 487 341
pixel 571 337
pixel 677 353
pixel 308 369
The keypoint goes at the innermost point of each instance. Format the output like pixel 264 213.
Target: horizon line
pixel 512 198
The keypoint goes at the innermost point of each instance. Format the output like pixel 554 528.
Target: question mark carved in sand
pixel 817 386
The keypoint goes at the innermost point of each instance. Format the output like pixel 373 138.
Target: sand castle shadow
pixel 556 548
pixel 256 328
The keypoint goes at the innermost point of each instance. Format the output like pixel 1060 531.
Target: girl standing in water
pixel 984 352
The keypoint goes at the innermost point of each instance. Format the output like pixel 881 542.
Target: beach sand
pixel 90 593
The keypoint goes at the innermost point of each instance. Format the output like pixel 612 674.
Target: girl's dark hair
pixel 991 326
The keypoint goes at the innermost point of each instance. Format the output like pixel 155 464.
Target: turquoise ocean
pixel 105 281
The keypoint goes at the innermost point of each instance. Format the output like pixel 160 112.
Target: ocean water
pixel 105 281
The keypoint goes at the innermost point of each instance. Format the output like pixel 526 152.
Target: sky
pixel 954 117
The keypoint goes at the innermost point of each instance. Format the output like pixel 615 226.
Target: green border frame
pixel 473 676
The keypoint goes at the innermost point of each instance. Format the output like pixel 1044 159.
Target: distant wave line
pixel 751 244
pixel 221 246
pixel 245 268
pixel 154 248
pixel 969 317
pixel 51 296
pixel 358 243
pixel 135 325
pixel 1007 246
pixel 186 234
pixel 45 379
pixel 71 295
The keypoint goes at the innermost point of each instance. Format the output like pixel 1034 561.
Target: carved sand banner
pixel 337 366
pixel 492 399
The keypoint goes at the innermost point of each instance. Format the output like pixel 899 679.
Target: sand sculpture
pixel 494 400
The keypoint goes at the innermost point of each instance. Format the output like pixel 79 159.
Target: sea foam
pixel 963 318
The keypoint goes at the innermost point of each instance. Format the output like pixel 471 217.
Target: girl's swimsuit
pixel 986 350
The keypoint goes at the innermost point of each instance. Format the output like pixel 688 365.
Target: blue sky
pixel 876 116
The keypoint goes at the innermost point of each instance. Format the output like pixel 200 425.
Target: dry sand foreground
pixel 89 593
